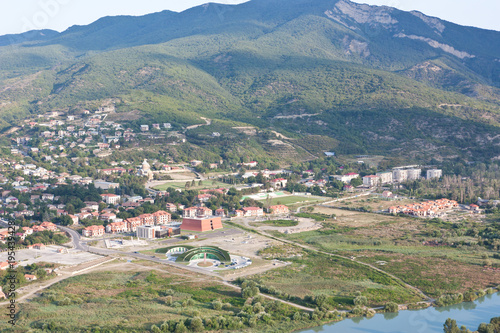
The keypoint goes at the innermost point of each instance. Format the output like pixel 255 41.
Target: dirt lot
pixel 50 255
pixel 243 243
pixel 355 219
pixel 376 202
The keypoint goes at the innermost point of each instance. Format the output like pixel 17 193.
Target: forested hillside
pixel 375 79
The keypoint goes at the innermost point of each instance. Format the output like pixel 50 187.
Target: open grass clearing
pixel 314 274
pixel 295 199
pixel 432 274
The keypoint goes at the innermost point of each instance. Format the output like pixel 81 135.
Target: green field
pixel 314 274
pixel 395 245
pixel 207 184
pixel 137 300
pixel 294 199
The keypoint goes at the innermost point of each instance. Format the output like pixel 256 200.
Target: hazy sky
pixel 22 15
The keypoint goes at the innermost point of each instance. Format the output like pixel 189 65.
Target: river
pixel 429 320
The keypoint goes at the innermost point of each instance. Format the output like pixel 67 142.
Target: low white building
pixel 110 199
pixel 346 178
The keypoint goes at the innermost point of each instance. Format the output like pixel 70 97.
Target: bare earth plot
pixel 50 255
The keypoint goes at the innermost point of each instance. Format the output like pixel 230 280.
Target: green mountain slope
pixel 372 78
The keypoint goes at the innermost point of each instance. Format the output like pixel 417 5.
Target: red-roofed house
pixel 49 226
pixel 38 246
pixel 474 207
pixel 171 207
pixel 38 228
pixel 253 211
pixel 107 216
pixel 279 210
pixel 74 218
pixel 204 197
pixel 239 213
pixel 278 182
pixel 27 230
pixel 110 199
pixel 220 212
pixel 30 277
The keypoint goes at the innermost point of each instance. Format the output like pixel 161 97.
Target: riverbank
pixel 429 320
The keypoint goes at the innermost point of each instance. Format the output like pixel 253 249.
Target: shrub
pixel 360 300
pixel 180 327
pixel 196 324
pixel 217 305
pixel 391 307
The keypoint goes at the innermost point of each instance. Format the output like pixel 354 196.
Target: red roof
pixel 251 208
pixel 94 227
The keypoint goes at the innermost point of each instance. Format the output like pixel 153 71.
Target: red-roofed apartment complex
pixel 93 231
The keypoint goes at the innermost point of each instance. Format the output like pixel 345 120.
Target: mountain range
pixel 328 74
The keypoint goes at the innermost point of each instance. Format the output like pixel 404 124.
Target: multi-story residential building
pixel 116 227
pixel 133 223
pixel 93 231
pixel 162 217
pixel 399 175
pixel 434 173
pixel 190 212
pixel 146 231
pixel 147 219
pixel 385 177
pixel 414 174
pixel 371 181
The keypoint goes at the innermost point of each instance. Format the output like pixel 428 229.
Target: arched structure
pixel 188 253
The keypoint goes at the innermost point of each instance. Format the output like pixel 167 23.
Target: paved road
pixel 76 239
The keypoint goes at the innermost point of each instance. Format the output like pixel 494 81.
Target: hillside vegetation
pixel 371 78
